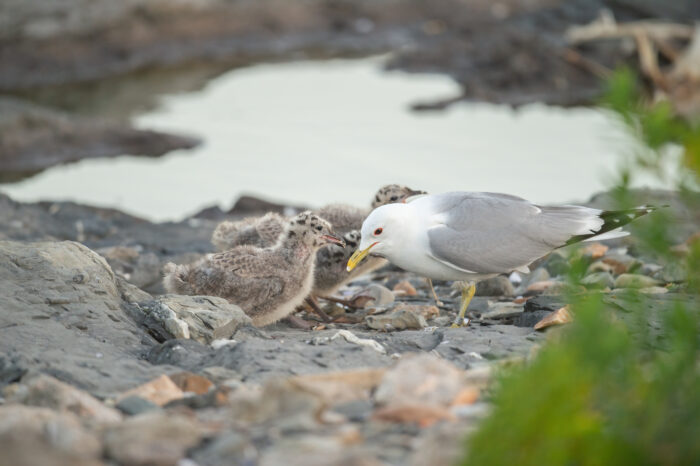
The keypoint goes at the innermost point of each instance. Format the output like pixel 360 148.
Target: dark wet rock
pixel 544 303
pixel 33 138
pixel 495 286
pixel 64 299
pixel 133 405
pixel 529 319
pixel 249 205
pixel 32 435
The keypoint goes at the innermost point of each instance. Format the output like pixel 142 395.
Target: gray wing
pixel 495 233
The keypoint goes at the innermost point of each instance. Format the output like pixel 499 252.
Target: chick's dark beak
pixel 332 238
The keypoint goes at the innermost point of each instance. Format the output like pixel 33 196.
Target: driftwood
pixel 679 82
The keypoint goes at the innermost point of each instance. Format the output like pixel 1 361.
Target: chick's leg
pixel 432 290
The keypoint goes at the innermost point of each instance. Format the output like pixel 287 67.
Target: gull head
pixel 381 231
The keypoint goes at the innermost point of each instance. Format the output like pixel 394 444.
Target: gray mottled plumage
pixel 267 283
pixel 331 265
pixel 330 273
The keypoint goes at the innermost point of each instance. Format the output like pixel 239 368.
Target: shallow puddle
pixel 334 131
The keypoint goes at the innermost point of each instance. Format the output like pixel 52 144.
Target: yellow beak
pixel 357 257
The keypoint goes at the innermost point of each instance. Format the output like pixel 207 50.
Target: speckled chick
pixel 331 265
pixel 267 283
pixel 263 231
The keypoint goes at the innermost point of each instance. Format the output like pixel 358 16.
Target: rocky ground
pixel 72 56
pixel 98 367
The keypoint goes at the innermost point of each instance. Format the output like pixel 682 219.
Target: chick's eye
pixel 319 228
pixel 393 198
pixel 378 232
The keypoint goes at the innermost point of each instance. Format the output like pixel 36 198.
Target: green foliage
pixel 613 388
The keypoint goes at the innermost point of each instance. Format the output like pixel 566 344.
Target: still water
pixel 334 131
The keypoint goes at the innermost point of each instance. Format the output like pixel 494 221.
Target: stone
pixel 405 288
pixel 141 269
pixel 47 392
pixel 546 286
pixel 420 379
pixel 189 382
pixel 66 301
pixel 672 272
pixel 202 318
pixel 402 319
pixel 495 286
pixel 158 391
pixel 31 435
pixel 540 274
pixel 621 263
pixel 36 138
pixel 341 387
pixel 628 280
pixel 598 280
pixel 594 250
pixel 503 311
pixel 600 266
pixel 380 296
pixel 133 405
pixel 556 264
pixel 152 439
pixel 428 311
pixel 228 448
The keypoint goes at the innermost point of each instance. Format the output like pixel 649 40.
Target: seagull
pixel 471 236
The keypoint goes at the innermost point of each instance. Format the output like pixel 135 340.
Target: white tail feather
pixel 612 234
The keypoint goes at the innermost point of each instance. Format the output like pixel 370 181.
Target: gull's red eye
pixel 378 232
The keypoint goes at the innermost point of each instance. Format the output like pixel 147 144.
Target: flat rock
pixel 202 318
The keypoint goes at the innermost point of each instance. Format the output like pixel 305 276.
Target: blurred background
pixel 165 109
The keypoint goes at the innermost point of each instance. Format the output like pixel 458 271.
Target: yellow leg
pixel 432 289
pixel 467 295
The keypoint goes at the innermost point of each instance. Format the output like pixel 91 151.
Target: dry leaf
pixel 558 317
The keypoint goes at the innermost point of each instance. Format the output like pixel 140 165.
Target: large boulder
pixel 61 313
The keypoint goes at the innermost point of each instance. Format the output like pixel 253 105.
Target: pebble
pixel 628 280
pixel 598 280
pixel 503 311
pixel 403 319
pixel 495 286
pixel 405 288
pixel 133 405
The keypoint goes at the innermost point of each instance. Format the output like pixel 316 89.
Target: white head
pixel 381 231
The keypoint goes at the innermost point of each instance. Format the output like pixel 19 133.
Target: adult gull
pixel 470 236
